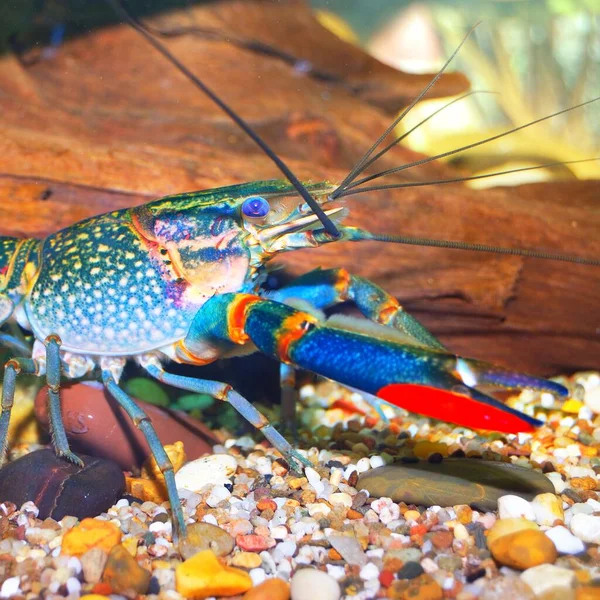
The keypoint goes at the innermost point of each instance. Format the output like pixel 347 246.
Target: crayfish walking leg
pixel 143 423
pixel 224 392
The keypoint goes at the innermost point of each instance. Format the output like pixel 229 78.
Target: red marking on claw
pixel 452 407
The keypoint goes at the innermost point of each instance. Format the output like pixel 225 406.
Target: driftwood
pixel 106 123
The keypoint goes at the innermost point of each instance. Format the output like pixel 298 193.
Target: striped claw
pixel 420 379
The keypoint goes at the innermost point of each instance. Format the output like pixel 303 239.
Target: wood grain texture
pixel 106 123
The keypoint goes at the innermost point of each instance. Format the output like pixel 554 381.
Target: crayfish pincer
pixel 182 279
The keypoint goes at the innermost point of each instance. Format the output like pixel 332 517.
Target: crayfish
pixel 182 279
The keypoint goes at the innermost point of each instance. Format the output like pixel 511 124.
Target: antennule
pixel 120 7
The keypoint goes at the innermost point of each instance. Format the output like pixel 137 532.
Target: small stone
pixel 176 454
pixel 512 507
pixel 254 543
pixel 341 498
pixel 425 449
pixel 310 584
pixel 412 515
pixel 586 527
pixel 148 490
pixel 449 562
pixel 202 576
pixel 266 504
pixel 215 469
pixel 592 399
pixel 218 494
pixel 504 527
pixel 503 588
pixel 92 564
pixel 124 574
pixel 565 541
pixel 547 509
pixel 58 487
pixel 205 536
pixel 349 548
pixel 91 533
pixel 549 579
pixel 410 570
pixel 246 560
pixel 423 587
pixel 271 589
pixel 442 539
pixel 523 549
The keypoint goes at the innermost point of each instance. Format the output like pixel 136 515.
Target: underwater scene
pixel 299 299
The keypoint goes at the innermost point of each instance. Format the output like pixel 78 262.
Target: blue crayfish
pixel 181 279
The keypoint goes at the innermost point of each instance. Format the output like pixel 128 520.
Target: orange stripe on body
pixel 292 329
pixel 388 310
pixel 236 317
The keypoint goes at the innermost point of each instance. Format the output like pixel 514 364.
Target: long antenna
pixel 121 9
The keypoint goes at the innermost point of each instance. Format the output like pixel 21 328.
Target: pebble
pixel 549 579
pixel 565 541
pixel 254 543
pixel 504 588
pixel 203 575
pixel 215 469
pixel 93 562
pixel 592 399
pixel 205 536
pixel 310 584
pixel 123 573
pixel 91 533
pixel 547 509
pixel 270 589
pixel 349 548
pixel 504 527
pixel 59 488
pixel 341 498
pixel 586 527
pixel 510 507
pixel 523 549
pixel 246 560
pixel 218 494
pixel 410 570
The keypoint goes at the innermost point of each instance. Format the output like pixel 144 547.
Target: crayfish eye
pixel 255 207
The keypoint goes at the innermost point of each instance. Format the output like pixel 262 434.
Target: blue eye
pixel 255 207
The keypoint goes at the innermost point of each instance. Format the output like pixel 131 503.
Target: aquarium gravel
pixel 260 531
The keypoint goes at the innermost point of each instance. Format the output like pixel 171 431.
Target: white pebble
pixel 429 565
pixel 10 587
pixel 586 527
pixel 257 575
pixel 314 479
pixel 548 509
pixel 511 506
pixel 336 571
pixel 73 586
pixel 341 498
pixel 551 579
pixel 369 571
pixel 592 399
pixel 565 541
pixel 279 533
pixel 215 469
pixel 461 532
pixel 363 465
pixel 310 584
pixel 122 503
pixel 217 495
pixel 557 482
pixel 376 461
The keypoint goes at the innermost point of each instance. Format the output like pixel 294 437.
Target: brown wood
pixel 107 123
